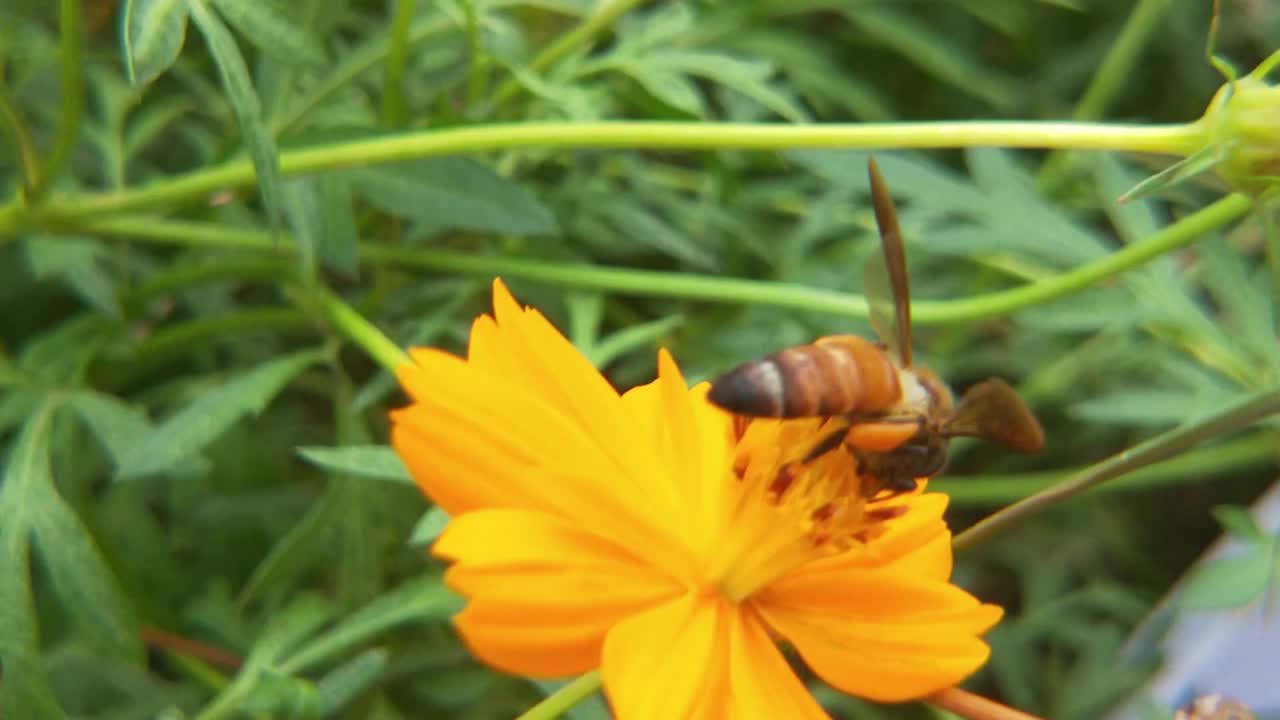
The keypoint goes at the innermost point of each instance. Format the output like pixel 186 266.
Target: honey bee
pixel 895 417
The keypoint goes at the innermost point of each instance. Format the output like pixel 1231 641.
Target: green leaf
pixel 153 33
pixel 288 629
pixel 1134 220
pixel 25 692
pixel 425 598
pixel 76 262
pixel 669 86
pixel 191 429
pixel 371 461
pixel 1206 158
pixel 1239 523
pixel 453 192
pixel 337 240
pixel 643 227
pixel 82 581
pixel 817 73
pixel 119 426
pixel 302 214
pixel 266 24
pixel 349 680
pixel 635 336
pixel 89 594
pixel 248 108
pixel 749 77
pixel 429 527
pixel 1231 582
pixel 932 50
pixel 299 548
pixel 1150 406
pixel 274 694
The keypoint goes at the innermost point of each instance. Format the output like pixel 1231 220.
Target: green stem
pixel 691 286
pixel 20 139
pixel 600 19
pixel 1178 235
pixel 1171 139
pixel 1239 415
pixel 360 331
pixel 559 702
pixel 71 55
pixel 394 107
pixel 986 491
pixel 1117 67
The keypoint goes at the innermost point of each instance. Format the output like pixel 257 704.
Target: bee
pixel 896 418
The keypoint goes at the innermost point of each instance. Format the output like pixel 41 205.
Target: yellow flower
pixel 656 537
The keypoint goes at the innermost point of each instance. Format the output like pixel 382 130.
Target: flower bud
pixel 1243 121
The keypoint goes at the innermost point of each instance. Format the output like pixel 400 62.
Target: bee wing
pixel 994 411
pixel 884 278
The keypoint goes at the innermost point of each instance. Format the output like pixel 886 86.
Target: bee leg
pixel 826 445
pixel 898 470
pixel 868 432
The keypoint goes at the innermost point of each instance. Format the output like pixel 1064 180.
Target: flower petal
pixel 542 593
pixel 762 684
pixel 917 543
pixel 525 421
pixel 880 634
pixel 671 661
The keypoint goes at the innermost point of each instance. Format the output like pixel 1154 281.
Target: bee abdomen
pixel 835 375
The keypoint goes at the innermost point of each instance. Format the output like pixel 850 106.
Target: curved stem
pixel 557 703
pixel 1166 445
pixel 975 707
pixel 703 287
pixel 1170 139
pixel 1180 234
pixel 360 331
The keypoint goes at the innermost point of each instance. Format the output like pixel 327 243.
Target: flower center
pixel 792 508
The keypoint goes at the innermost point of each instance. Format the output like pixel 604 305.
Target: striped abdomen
pixel 834 375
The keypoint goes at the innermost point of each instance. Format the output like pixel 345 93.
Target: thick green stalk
pixel 559 702
pixel 704 287
pixel 1171 139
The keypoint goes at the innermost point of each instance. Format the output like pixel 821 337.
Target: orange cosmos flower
pixel 654 536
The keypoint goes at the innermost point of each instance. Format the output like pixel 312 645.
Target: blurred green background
pixel 171 382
